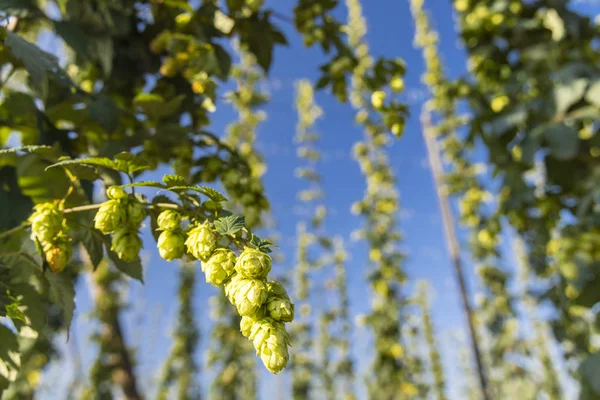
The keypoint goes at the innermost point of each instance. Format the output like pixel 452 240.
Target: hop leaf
pixel 271 341
pixel 169 220
pixel 253 264
pixel 279 305
pixel 171 244
pixel 111 216
pixel 248 295
pixel 46 222
pixel 201 241
pixel 219 267
pixel 126 243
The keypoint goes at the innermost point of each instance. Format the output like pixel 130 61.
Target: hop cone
pixel 246 325
pixel 169 220
pixel 126 244
pixel 253 264
pixel 46 222
pixel 171 244
pixel 136 211
pixel 248 295
pixel 271 342
pixel 116 193
pixel 279 305
pixel 58 253
pixel 110 217
pixel 219 267
pixel 201 241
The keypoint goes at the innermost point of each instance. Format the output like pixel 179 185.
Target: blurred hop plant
pixel 248 295
pixel 126 243
pixel 271 342
pixel 171 244
pixel 253 264
pixel 279 305
pixel 48 229
pixel 201 241
pixel 219 267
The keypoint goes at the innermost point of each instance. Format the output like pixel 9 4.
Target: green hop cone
pixel 279 305
pixel 246 325
pixel 201 241
pixel 253 264
pixel 136 211
pixel 171 244
pixel 219 267
pixel 271 342
pixel 126 243
pixel 248 295
pixel 110 217
pixel 116 193
pixel 169 220
pixel 46 222
pixel 58 253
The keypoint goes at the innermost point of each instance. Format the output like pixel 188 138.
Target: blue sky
pixel 390 33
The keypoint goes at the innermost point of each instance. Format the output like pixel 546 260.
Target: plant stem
pixel 452 243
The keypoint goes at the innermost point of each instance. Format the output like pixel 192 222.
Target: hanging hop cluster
pixel 171 241
pixel 48 228
pixel 122 216
pixel 264 306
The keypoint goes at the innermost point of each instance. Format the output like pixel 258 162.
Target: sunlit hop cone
pixel 126 243
pixel 253 264
pixel 201 241
pixel 58 253
pixel 136 211
pixel 171 244
pixel 169 220
pixel 279 305
pixel 111 216
pixel 219 267
pixel 246 325
pixel 46 222
pixel 248 295
pixel 271 342
pixel 116 193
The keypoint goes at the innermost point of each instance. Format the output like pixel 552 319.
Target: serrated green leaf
pixel 174 180
pixel 563 141
pixel 208 192
pixel 10 193
pixel 95 161
pixel 10 360
pixel 150 103
pixel 73 36
pixel 93 243
pixel 30 149
pixel 132 269
pixel 230 225
pixel 37 62
pixel 62 292
pixel 130 163
pixel 567 94
pixel 37 182
pixel 154 184
pixel 105 113
pixel 593 93
pixel 590 371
